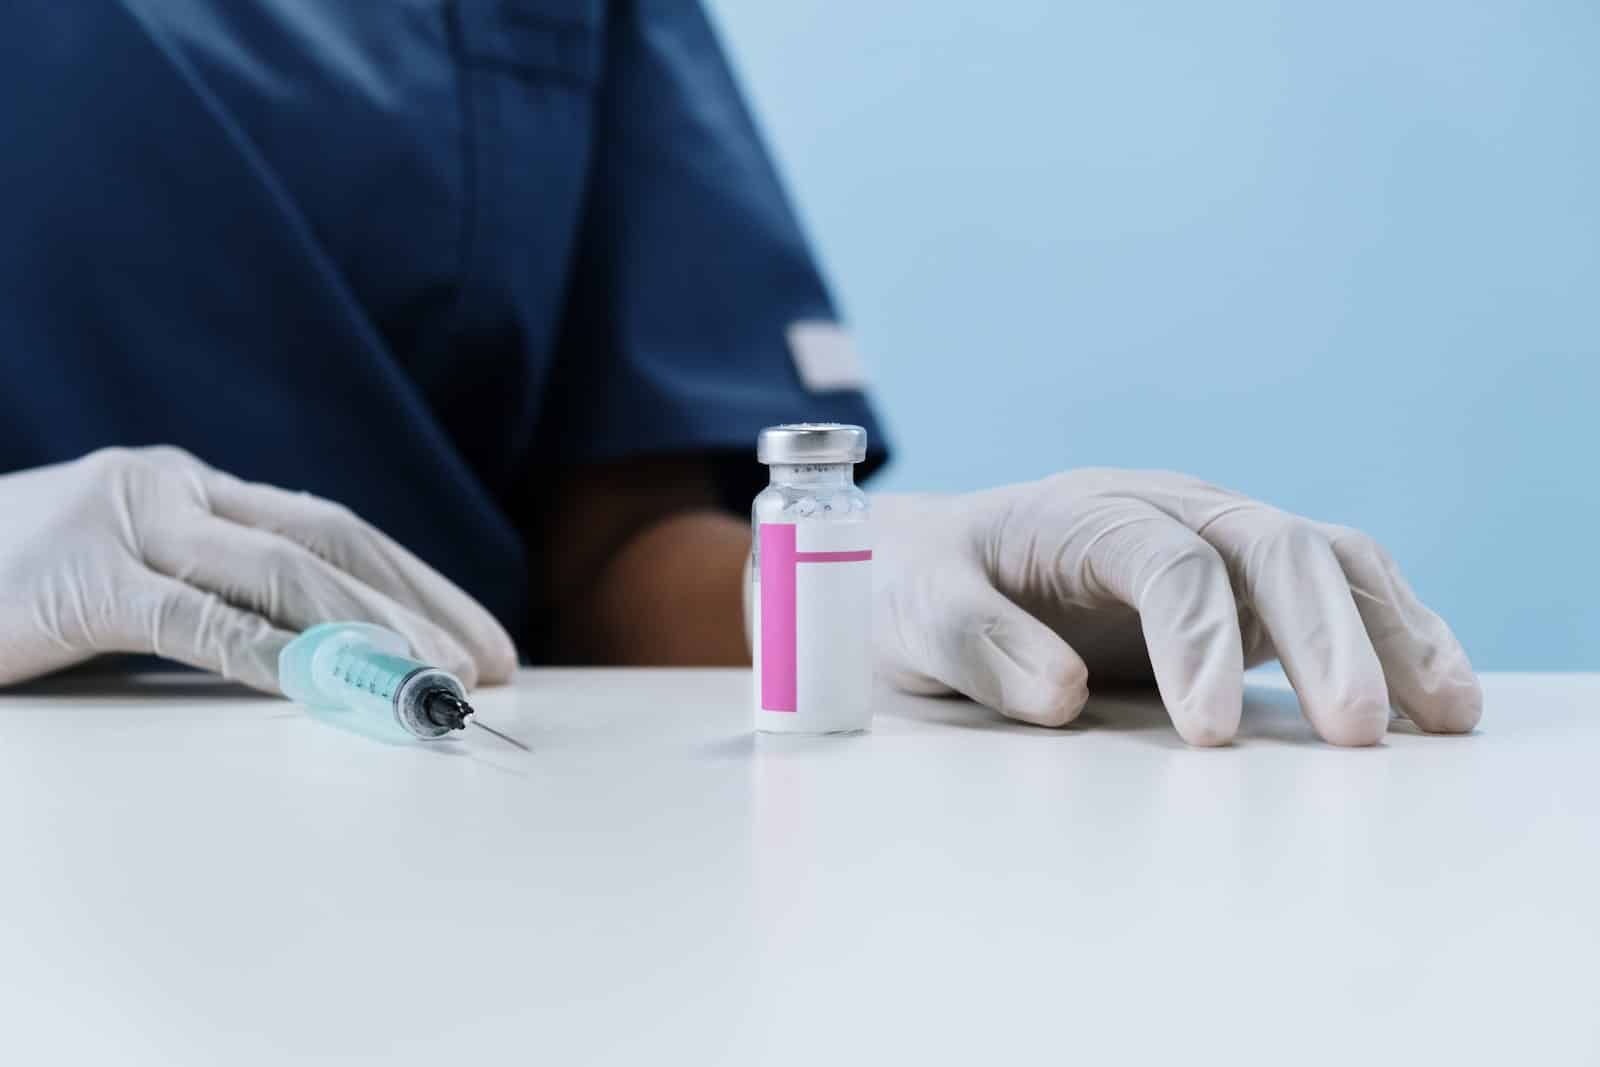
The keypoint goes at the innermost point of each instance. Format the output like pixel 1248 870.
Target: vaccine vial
pixel 812 575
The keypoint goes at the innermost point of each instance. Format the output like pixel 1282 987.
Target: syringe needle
pixel 501 736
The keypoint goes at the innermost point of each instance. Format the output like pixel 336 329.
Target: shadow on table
pixel 1270 714
pixel 132 677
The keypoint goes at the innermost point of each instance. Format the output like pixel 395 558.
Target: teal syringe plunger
pixel 366 670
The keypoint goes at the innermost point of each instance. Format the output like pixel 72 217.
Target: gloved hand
pixel 1024 596
pixel 150 550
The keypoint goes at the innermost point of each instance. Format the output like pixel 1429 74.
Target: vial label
pixel 813 647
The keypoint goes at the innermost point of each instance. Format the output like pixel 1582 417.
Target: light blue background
pixel 1343 257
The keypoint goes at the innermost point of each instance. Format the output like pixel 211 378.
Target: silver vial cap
pixel 812 442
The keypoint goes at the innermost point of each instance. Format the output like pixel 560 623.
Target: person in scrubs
pixel 462 317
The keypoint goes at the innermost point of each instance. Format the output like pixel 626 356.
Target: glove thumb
pixel 980 644
pixel 190 626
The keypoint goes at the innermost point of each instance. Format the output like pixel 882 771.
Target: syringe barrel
pixel 366 670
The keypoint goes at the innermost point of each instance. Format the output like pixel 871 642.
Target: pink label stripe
pixel 833 557
pixel 779 688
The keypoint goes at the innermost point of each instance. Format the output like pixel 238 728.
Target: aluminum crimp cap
pixel 812 442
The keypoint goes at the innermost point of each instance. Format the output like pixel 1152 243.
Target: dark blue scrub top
pixel 412 255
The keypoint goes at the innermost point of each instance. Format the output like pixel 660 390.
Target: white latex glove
pixel 150 550
pixel 1020 597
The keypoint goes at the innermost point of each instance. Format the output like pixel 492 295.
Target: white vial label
pixel 813 627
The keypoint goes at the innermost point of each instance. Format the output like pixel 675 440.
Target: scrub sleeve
pixel 691 269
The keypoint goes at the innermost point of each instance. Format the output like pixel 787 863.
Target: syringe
pixel 368 670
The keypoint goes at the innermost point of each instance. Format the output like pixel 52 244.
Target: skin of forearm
pixel 643 569
pixel 674 595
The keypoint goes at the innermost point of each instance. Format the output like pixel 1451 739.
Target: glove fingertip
pixel 1208 715
pixel 1358 724
pixel 258 668
pixel 1052 696
pixel 1206 734
pixel 500 663
pixel 1454 706
pixel 255 666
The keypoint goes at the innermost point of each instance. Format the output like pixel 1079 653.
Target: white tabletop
pixel 194 875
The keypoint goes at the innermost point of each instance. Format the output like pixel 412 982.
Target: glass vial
pixel 812 574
